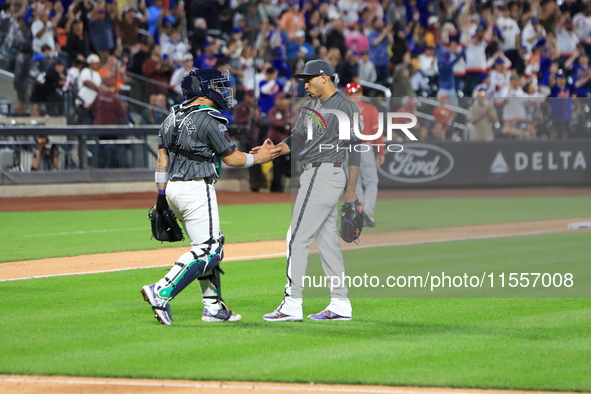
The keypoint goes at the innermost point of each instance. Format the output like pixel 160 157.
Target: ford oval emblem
pixel 417 163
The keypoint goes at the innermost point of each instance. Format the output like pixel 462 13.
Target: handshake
pixel 266 152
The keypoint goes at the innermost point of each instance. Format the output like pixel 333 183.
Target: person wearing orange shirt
pixel 293 19
pixel 372 153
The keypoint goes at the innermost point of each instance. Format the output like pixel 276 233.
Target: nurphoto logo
pixel 317 124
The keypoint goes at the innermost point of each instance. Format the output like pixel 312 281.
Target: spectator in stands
pixel 174 48
pixel 367 70
pixel 142 54
pixel 269 88
pixel 561 105
pixel 22 83
pixel 566 38
pixel 157 112
pixel 349 71
pixel 79 42
pixel 514 110
pixel 280 117
pixel 155 13
pixel 179 73
pixel 46 156
pixel 299 44
pixel 49 92
pixel 267 11
pixel 252 23
pixel 90 84
pixel 582 23
pixel 510 38
pixel 379 40
pixel 248 114
pixel 403 72
pixel 476 62
pixel 336 38
pixel 428 65
pixel 40 63
pixel 437 133
pixel 247 64
pixel 207 59
pixel 532 33
pixel 356 40
pixel 443 113
pixel 581 75
pixel 113 73
pixel 101 31
pixel 482 116
pixel 399 48
pixel 396 13
pixel 42 30
pixel 129 24
pixel 158 71
pixel 107 108
pixel 72 75
pixel 292 20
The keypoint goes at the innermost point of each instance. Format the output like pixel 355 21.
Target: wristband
pixel 161 177
pixel 249 160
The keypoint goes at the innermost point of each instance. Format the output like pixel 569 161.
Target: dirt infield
pixel 109 262
pixel 12 384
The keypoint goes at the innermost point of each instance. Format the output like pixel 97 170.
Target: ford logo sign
pixel 418 163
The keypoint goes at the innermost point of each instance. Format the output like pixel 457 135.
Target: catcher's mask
pixel 210 83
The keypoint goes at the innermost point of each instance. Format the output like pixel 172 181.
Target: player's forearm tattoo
pixel 160 168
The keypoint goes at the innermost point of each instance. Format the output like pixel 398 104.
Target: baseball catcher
pixel 190 138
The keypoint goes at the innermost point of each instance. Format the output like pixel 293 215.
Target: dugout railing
pixel 84 153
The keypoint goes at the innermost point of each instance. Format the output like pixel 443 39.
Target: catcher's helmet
pixel 210 83
pixel 352 88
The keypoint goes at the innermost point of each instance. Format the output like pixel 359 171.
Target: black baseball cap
pixel 314 68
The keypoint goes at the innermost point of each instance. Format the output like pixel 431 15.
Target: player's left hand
pixel 349 196
pixel 381 159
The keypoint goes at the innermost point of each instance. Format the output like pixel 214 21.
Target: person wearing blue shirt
pixel 561 105
pixel 581 76
pixel 445 65
pixel 379 40
pixel 154 12
pixel 298 44
pixel 268 89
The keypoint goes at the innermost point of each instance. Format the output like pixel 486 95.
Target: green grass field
pixel 34 235
pixel 98 325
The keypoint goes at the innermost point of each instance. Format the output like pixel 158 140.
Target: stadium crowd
pixel 515 68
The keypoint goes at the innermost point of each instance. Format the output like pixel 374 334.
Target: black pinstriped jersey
pixel 325 129
pixel 194 129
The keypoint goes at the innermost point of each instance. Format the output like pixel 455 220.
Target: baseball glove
pixel 164 224
pixel 351 221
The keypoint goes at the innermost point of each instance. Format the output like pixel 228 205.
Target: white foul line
pixel 268 256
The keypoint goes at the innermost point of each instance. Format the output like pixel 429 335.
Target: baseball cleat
pixel 224 314
pixel 368 220
pixel 278 316
pixel 160 307
pixel 328 315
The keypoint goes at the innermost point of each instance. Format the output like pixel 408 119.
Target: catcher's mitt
pixel 351 221
pixel 165 226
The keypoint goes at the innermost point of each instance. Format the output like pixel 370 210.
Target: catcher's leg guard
pixel 190 266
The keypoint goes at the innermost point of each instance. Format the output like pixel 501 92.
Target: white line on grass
pixel 228 386
pixel 268 256
pixel 86 232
